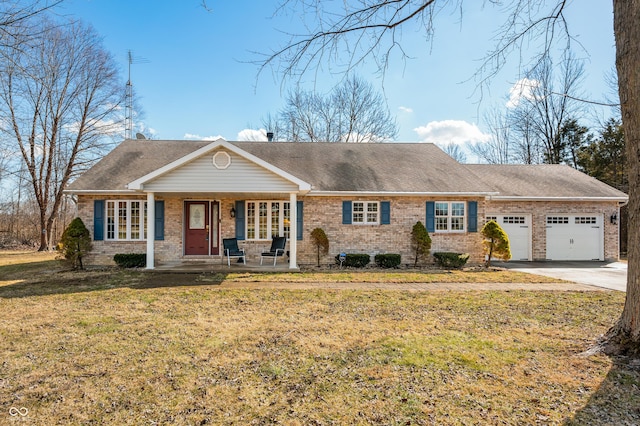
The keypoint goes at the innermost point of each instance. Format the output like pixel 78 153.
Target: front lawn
pixel 100 349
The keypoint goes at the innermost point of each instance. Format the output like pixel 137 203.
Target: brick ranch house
pixel 189 195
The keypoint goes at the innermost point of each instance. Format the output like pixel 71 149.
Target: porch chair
pixel 277 249
pixel 231 250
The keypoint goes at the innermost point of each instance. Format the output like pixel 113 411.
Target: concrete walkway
pixel 413 286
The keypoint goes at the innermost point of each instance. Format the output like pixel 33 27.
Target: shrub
pixel 355 260
pixel 451 260
pixel 421 241
pixel 496 243
pixel 75 243
pixel 131 260
pixel 389 260
pixel 321 241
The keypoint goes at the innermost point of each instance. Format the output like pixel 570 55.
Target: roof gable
pixel 198 171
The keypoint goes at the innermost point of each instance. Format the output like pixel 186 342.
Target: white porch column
pixel 293 231
pixel 151 229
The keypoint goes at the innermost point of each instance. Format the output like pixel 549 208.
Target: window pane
pixel 442 209
pixel 111 220
pixel 135 220
pixel 251 220
pixel 122 220
pixel 457 209
pixel 441 224
pixel 144 220
pixel 286 232
pixel 372 213
pixel 457 223
pixel 262 220
pixel 275 220
pixel 358 213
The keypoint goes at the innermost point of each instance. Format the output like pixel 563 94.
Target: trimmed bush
pixel 496 242
pixel 131 260
pixel 355 260
pixel 389 260
pixel 420 241
pixel 321 241
pixel 75 243
pixel 451 260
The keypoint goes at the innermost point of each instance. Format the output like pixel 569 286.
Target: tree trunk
pixel 43 233
pixel 626 333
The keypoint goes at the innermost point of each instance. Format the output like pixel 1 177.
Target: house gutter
pixel 516 198
pixel 313 193
pixel 99 191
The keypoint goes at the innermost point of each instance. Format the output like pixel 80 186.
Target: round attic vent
pixel 221 160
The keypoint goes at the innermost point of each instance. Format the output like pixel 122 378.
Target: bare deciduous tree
pixel 541 113
pixel 59 96
pixel 498 149
pixel 352 112
pixel 368 28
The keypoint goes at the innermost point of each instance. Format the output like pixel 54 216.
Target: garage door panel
pixel 575 237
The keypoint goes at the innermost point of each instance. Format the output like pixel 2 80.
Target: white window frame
pixel 365 212
pixel 448 219
pixel 266 232
pixel 116 220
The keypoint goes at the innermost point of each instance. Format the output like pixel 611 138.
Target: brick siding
pixel 326 213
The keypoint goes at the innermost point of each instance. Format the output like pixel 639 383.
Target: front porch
pixel 214 264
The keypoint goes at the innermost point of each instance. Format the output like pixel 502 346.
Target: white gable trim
pixel 138 184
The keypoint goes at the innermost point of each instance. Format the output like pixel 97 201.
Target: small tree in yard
pixel 496 243
pixel 321 241
pixel 75 243
pixel 420 240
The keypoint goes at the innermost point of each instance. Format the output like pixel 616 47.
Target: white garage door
pixel 575 237
pixel 518 228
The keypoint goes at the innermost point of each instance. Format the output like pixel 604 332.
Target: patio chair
pixel 277 249
pixel 231 250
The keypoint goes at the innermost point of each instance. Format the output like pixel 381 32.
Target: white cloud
pixel 252 135
pixel 451 131
pixel 191 136
pixel 522 89
pixel 405 109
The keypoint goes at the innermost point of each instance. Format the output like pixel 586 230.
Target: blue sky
pixel 197 80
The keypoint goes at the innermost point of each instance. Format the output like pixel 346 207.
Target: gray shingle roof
pixel 388 167
pixel 542 181
pixel 337 167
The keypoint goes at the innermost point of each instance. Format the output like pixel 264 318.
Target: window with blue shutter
pixel 431 216
pixel 346 212
pixel 299 220
pixel 98 220
pixel 159 220
pixel 472 216
pixel 240 219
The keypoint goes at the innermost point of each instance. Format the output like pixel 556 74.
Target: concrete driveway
pixel 612 276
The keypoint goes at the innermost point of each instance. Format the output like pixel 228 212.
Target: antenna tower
pixel 128 108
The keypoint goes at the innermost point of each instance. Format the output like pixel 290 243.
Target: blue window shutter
pixel 472 216
pixel 431 216
pixel 385 212
pixel 346 212
pixel 240 220
pixel 159 222
pixel 98 220
pixel 299 219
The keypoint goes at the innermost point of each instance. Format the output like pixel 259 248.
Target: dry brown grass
pixel 101 348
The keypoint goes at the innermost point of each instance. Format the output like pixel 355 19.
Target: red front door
pixel 196 238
